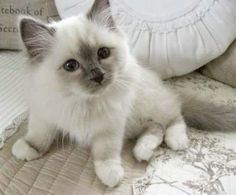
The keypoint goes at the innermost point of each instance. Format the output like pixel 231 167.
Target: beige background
pixel 11 9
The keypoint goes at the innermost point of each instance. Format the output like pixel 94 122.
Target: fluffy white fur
pixel 134 104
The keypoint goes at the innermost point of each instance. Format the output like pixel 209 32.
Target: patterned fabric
pixel 208 167
pixel 11 93
pixel 64 170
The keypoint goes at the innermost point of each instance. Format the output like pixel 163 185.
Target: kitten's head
pixel 81 55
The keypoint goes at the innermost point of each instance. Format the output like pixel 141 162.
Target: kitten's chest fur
pixel 82 120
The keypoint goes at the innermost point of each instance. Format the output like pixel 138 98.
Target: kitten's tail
pixel 208 116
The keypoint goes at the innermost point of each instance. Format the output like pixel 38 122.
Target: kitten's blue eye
pixel 103 52
pixel 71 65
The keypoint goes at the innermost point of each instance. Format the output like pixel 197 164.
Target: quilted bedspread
pixel 207 167
pixel 66 170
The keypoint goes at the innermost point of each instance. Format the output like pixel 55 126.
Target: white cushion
pixel 173 37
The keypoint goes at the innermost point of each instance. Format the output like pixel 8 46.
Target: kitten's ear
pixel 36 36
pixel 101 13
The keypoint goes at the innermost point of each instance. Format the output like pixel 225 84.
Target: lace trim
pixel 127 17
pixel 12 128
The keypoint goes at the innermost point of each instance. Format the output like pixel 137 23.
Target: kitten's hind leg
pixel 148 141
pixel 36 142
pixel 176 135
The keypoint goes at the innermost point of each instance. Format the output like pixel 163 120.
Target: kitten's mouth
pixel 99 87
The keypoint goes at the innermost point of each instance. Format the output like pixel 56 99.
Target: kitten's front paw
pixel 145 147
pixel 23 151
pixel 142 152
pixel 109 171
pixel 179 142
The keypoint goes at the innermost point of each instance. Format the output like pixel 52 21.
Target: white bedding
pixel 11 91
pixel 208 167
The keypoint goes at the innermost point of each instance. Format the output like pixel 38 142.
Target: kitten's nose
pixel 97 75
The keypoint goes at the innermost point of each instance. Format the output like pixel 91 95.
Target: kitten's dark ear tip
pixel 100 12
pixel 35 35
pixel 107 2
pixel 25 22
pixel 97 7
pixel 28 24
pixel 22 20
pixel 102 1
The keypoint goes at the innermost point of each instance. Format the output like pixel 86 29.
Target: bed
pixel 11 93
pixel 207 167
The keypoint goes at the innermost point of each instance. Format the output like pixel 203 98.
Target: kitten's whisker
pixel 122 84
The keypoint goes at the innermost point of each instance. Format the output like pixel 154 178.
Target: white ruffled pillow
pixel 173 37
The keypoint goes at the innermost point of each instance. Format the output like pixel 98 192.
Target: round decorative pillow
pixel 172 37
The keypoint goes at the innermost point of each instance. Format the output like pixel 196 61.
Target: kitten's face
pixel 82 54
pixel 90 58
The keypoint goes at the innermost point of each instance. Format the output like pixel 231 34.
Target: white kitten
pixel 82 80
